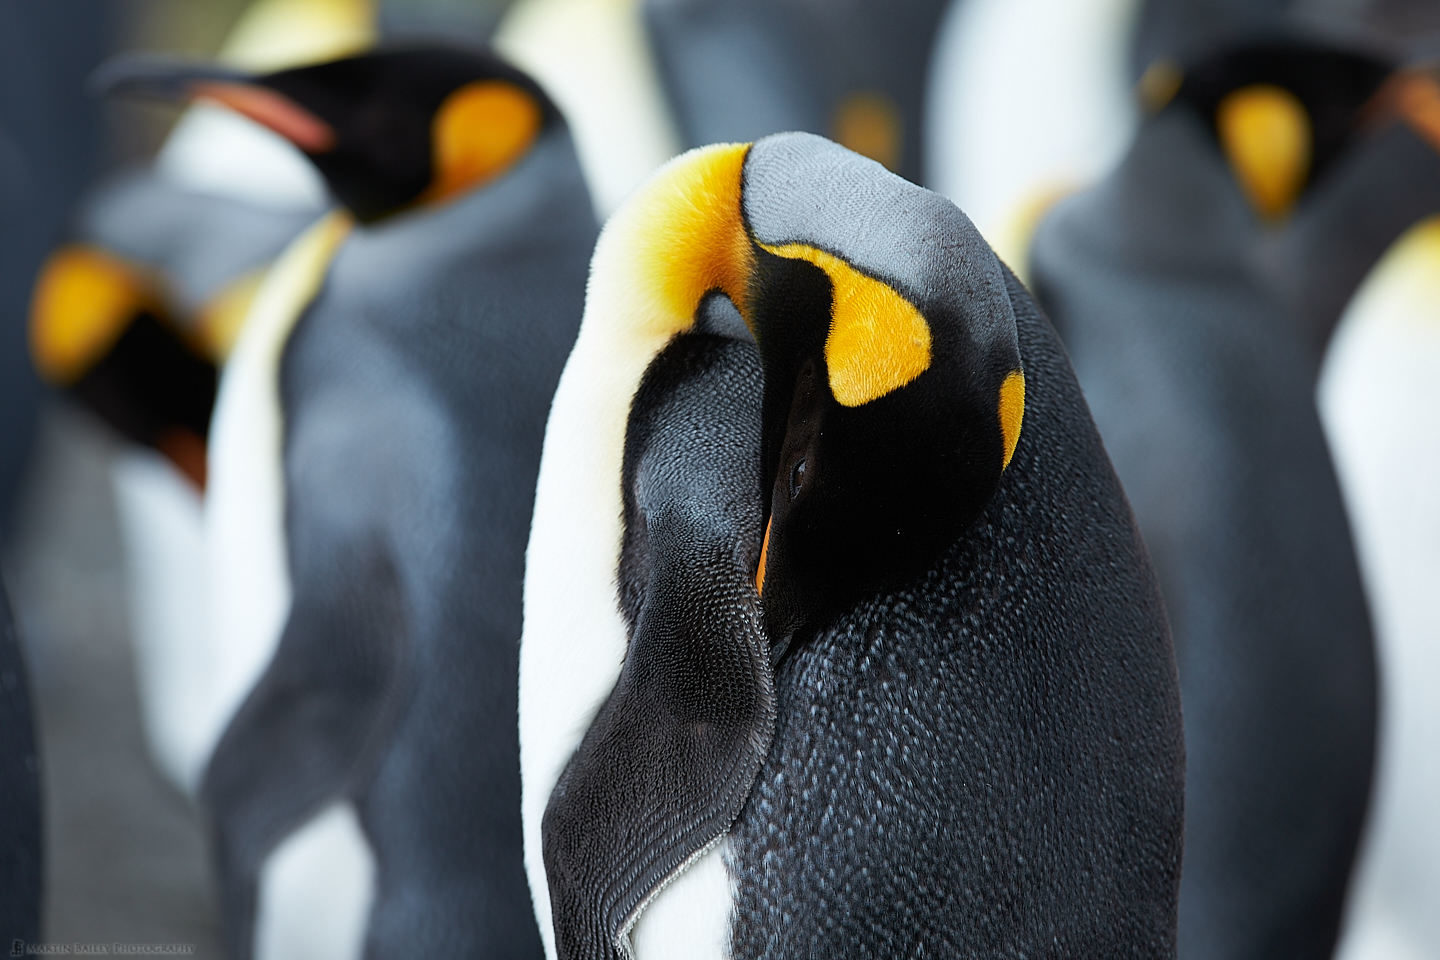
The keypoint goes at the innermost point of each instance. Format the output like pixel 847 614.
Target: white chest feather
pixel 593 58
pixel 244 508
pixel 574 638
pixel 162 527
pixel 1027 100
pixel 1380 400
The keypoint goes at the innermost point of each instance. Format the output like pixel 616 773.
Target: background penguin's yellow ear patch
pixel 878 341
pixel 478 133
pixel 1265 133
pixel 1012 412
pixel 869 124
pixel 83 301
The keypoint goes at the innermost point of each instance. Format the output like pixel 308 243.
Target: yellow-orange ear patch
pixel 1012 412
pixel 1265 133
pixel 83 301
pixel 878 341
pixel 869 124
pixel 478 133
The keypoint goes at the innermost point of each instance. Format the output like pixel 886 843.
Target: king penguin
pixel 824 654
pixel 1373 230
pixel 376 439
pixel 1202 383
pixel 20 848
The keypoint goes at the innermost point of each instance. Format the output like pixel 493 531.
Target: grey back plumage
pixel 20 823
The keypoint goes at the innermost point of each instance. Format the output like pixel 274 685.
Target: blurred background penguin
pixel 376 440
pixel 1329 247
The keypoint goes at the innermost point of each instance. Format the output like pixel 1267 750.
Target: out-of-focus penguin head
pixel 893 393
pixel 99 331
pixel 1281 111
pixel 388 129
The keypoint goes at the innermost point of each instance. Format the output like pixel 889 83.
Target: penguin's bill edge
pixel 247 94
pixel 272 110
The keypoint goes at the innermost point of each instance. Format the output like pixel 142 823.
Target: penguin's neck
pixel 1319 260
pixel 1181 208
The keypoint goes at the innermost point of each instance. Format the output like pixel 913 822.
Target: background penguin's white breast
pixel 1026 99
pixel 1380 399
pixel 162 532
pixel 250 589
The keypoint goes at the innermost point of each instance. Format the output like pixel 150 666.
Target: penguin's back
pixel 990 758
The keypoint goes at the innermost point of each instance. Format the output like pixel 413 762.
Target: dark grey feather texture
pixel 987 761
pixel 1203 388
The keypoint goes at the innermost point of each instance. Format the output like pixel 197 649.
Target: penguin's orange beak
pixel 272 110
pixel 178 81
pixel 760 570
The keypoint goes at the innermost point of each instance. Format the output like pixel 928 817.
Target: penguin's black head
pixel 100 330
pixel 1281 111
pixel 893 393
pixel 387 129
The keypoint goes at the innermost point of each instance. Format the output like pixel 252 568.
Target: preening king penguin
pixel 826 654
pixel 20 848
pixel 1379 404
pixel 401 356
pixel 852 70
pixel 1203 385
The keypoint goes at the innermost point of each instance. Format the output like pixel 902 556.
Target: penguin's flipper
pixel 304 733
pixel 668 763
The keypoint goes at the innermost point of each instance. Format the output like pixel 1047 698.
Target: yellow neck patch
pixel 691 240
pixel 478 133
pixel 1012 412
pixel 1265 133
pixel 878 341
pixel 83 301
pixel 869 124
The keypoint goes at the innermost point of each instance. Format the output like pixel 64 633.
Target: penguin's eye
pixel 797 477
